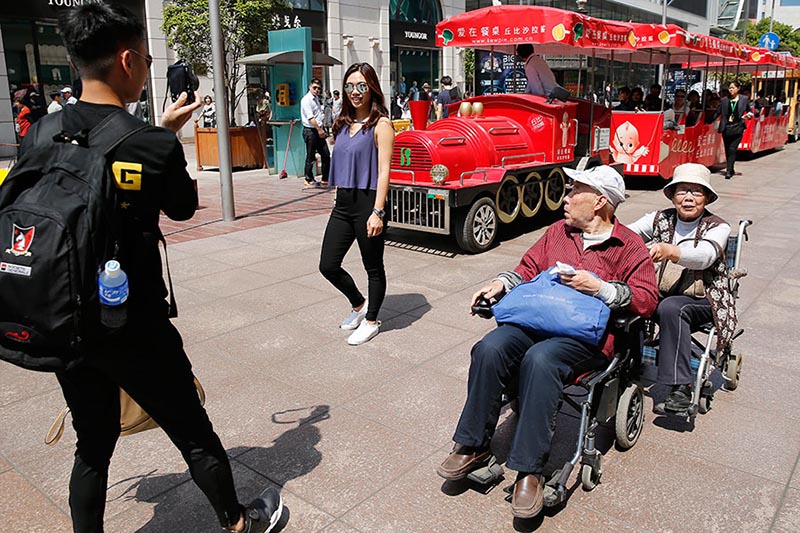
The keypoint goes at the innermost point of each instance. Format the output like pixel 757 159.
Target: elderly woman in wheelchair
pixel 688 244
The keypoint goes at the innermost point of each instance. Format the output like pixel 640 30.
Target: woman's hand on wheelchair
pixel 493 289
pixel 662 250
pixel 583 281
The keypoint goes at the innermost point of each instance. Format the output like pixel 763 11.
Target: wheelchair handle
pixel 483 308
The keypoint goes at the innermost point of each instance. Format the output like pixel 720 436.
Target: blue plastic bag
pixel 550 309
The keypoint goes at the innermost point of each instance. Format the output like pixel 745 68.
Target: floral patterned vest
pixel 717 282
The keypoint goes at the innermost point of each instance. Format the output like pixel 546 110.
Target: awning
pixel 292 57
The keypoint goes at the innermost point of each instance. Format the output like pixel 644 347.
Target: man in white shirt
pixel 55 105
pixel 66 94
pixel 541 80
pixel 311 114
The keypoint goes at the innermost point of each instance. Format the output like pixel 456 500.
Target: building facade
pixel 786 11
pixel 396 36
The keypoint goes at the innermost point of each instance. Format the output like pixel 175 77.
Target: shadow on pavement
pixel 293 454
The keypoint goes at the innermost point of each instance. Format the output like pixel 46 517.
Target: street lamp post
pixel 771 16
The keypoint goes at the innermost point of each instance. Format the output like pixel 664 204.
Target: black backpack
pixel 58 226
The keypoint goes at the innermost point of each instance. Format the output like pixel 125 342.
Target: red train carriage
pixel 502 156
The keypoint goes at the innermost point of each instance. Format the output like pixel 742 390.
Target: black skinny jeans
pixel 348 223
pixel 149 363
pixel 314 144
pixel 731 142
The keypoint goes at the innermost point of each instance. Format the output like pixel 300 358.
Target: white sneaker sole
pixel 276 516
pixel 360 342
pixel 351 327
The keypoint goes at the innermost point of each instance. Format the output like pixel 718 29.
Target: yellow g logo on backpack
pixel 127 175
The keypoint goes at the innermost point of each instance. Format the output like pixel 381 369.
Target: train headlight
pixel 439 174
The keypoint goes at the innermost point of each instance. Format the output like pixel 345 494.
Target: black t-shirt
pixel 156 179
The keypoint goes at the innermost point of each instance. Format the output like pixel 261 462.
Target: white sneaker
pixel 355 318
pixel 364 333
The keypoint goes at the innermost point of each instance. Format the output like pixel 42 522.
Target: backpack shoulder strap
pixel 114 130
pixel 47 128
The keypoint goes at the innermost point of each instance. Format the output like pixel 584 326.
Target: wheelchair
pixel 611 396
pixel 705 358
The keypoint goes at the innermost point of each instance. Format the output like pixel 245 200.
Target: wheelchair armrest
pixel 623 322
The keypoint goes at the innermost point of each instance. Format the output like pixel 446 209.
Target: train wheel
pixel 532 194
pixel 476 228
pixel 508 199
pixel 555 189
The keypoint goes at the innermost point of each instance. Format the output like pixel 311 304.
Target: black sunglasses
pixel 148 59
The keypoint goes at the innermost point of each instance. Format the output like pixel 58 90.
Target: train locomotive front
pixel 499 158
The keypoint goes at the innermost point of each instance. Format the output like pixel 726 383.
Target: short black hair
pixel 315 80
pixel 94 33
pixel 524 50
pixel 447 80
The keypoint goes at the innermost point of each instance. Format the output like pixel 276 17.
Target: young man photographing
pixel 146 358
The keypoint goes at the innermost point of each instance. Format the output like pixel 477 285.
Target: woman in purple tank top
pixel 363 136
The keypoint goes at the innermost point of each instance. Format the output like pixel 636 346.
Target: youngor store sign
pixel 50 9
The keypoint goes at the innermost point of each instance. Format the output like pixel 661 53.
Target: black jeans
pixel 348 223
pixel 544 366
pixel 677 316
pixel 731 141
pixel 149 363
pixel 316 144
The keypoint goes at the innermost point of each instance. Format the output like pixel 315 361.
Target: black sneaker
pixel 679 399
pixel 263 513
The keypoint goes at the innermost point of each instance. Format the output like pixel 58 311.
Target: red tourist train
pixel 501 156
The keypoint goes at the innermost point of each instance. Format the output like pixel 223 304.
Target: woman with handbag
pixel 687 243
pixel 732 111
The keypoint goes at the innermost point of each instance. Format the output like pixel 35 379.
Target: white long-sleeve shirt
pixel 541 79
pixel 693 258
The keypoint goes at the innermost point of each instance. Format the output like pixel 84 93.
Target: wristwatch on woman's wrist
pixel 380 212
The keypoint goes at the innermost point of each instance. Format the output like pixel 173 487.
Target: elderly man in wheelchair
pixel 606 261
pixel 698 287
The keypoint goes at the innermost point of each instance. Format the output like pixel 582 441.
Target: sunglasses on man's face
pixel 360 88
pixel 148 59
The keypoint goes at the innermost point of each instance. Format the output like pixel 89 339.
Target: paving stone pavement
pixel 353 435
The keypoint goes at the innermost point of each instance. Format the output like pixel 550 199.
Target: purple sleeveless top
pixel 354 163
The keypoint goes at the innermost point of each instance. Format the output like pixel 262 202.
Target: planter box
pixel 247 147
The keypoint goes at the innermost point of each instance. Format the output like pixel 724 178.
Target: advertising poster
pixel 499 73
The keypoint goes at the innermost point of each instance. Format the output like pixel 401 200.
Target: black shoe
pixel 728 176
pixel 679 399
pixel 263 513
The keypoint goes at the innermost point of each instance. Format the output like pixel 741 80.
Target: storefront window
pixel 311 5
pixel 416 11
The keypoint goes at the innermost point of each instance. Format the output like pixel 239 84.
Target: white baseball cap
pixel 603 179
pixel 67 90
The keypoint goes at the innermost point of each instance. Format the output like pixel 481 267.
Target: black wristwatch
pixel 380 212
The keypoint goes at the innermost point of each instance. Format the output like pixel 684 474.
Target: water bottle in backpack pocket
pixel 112 286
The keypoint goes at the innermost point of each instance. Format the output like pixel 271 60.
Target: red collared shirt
pixel 622 257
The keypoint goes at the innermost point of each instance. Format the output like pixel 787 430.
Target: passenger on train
pixel 612 265
pixel 688 242
pixel 541 80
pixel 625 101
pixel 637 97
pixel 653 100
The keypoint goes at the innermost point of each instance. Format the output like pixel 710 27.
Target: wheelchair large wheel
pixel 733 371
pixel 630 416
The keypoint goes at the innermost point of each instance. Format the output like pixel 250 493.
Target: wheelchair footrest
pixel 489 474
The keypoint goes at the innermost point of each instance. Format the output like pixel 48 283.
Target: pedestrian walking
pixel 360 172
pixel 312 115
pixel 732 110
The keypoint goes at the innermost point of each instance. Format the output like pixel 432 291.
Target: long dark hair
pixel 347 117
